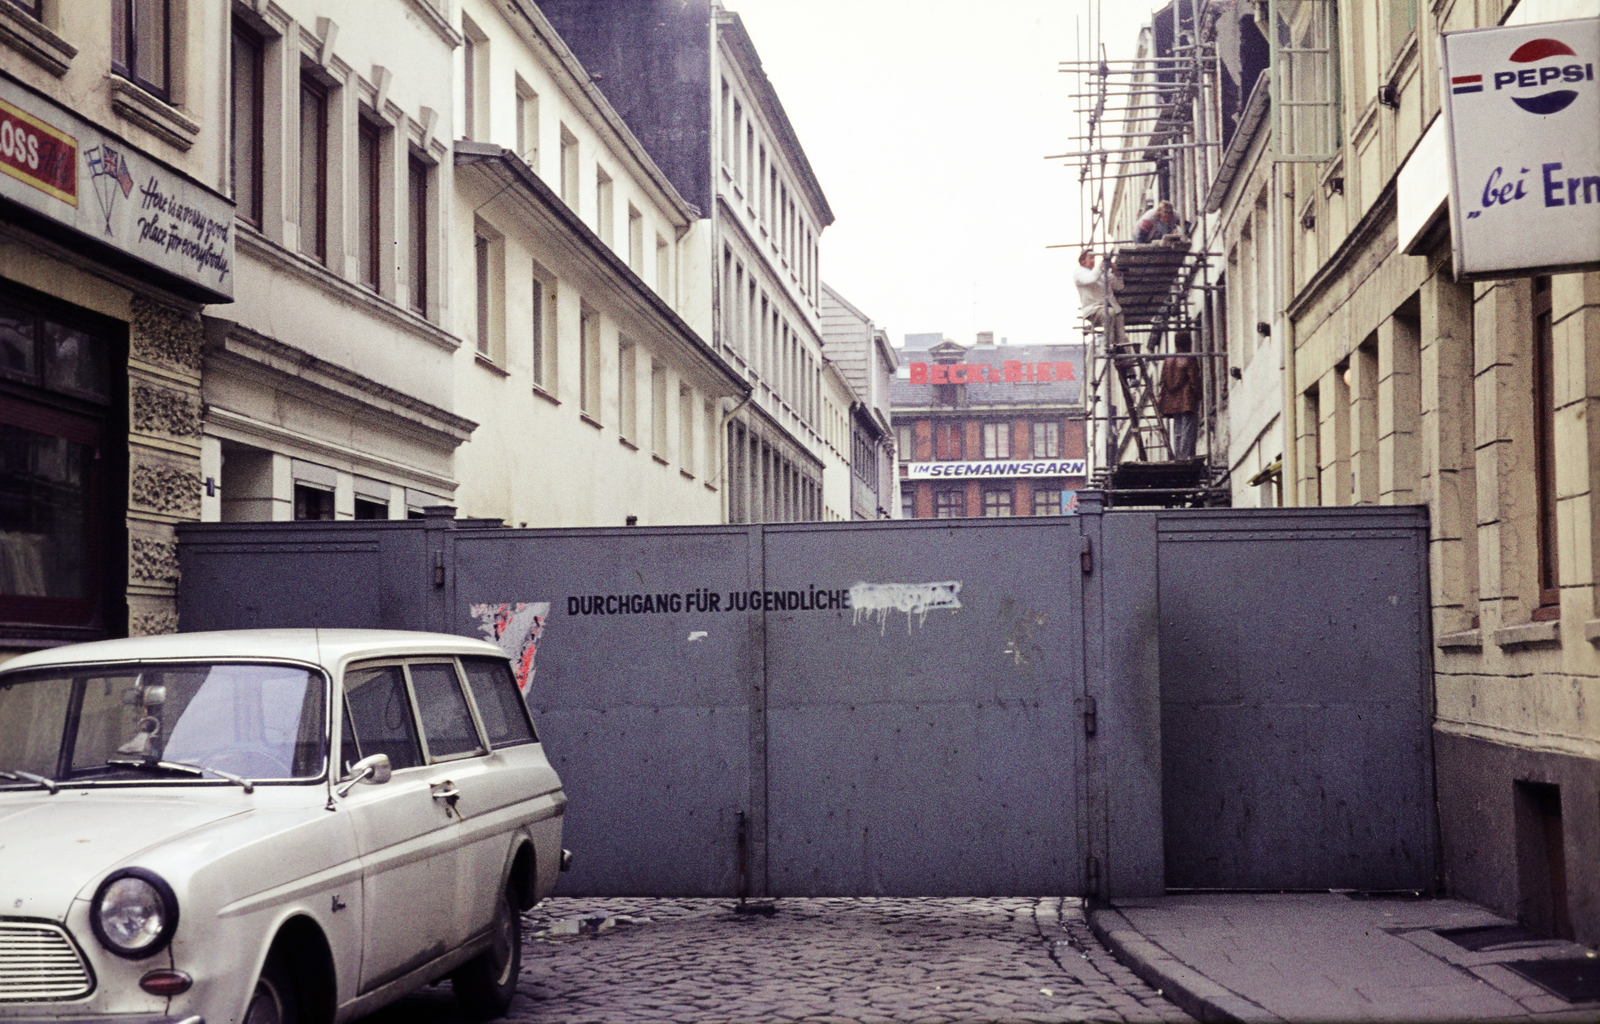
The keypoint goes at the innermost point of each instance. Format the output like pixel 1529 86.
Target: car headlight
pixel 134 913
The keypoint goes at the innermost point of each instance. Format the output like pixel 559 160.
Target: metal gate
pixel 968 707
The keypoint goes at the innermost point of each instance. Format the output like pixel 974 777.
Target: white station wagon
pixel 266 826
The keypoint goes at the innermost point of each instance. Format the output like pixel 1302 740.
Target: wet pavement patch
pixel 1576 980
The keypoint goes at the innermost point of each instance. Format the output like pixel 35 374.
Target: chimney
pixel 986 338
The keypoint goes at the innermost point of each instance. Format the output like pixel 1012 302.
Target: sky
pixel 927 123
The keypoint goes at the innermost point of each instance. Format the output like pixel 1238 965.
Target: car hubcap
pixel 504 939
pixel 264 1005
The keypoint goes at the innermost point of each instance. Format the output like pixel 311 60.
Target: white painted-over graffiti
pixel 877 600
pixel 515 629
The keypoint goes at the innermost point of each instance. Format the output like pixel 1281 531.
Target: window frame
pixel 997 439
pixel 418 195
pixel 251 207
pixel 948 499
pixel 369 219
pixel 317 167
pixel 992 504
pixel 125 51
pixel 1547 561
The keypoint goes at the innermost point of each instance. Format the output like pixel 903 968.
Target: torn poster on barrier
pixel 515 629
pixel 877 600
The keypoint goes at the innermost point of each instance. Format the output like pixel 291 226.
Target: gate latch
pixel 1086 556
pixel 1089 716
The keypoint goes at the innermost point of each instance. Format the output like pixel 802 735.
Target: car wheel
pixel 273 1001
pixel 486 983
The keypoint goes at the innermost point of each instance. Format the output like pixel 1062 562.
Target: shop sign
pixel 993 468
pixel 62 167
pixel 1521 108
pixel 1010 371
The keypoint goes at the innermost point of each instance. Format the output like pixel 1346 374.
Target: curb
pixel 1191 991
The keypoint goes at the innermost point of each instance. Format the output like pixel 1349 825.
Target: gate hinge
pixel 1089 718
pixel 1091 870
pixel 1086 556
pixel 438 568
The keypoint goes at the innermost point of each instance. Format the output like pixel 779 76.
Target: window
pixel 997 440
pixel 500 704
pixel 447 725
pixel 1046 500
pixel 635 241
pixel 141 44
pixel 366 508
pixel 686 428
pixel 627 390
pixel 312 503
pixel 1046 440
pixel 247 125
pixel 604 207
pixel 543 308
pixel 33 7
pixel 528 125
pixel 589 363
pixel 417 243
pixel 569 168
pixel 480 250
pixel 55 387
pixel 368 146
pixel 313 168
pixel 727 130
pixel 947 445
pixel 663 269
pixel 908 501
pixel 377 717
pixel 738 150
pixel 658 408
pixel 1544 436
pixel 708 414
pixel 904 446
pixel 997 503
pixel 949 504
pixel 469 83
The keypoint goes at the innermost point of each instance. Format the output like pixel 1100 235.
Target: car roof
pixel 330 648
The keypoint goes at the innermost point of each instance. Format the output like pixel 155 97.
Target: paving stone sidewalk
pixel 829 961
pixel 1331 957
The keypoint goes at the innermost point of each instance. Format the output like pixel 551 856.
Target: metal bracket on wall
pixel 1090 718
pixel 1086 556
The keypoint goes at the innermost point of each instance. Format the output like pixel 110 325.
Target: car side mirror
pixel 374 769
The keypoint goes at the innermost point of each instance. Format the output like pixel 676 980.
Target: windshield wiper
pixel 37 780
pixel 183 768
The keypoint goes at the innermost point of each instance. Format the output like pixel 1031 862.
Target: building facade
pixel 116 231
pixel 1398 383
pixel 599 404
pixel 861 352
pixel 686 78
pixel 988 430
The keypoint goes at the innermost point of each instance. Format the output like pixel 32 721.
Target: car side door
pixel 407 833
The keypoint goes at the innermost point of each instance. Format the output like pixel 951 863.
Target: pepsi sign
pixel 1522 117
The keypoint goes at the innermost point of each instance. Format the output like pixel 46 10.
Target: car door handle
pixel 447 792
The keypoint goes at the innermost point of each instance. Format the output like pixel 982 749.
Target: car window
pixel 381 715
pixel 32 714
pixel 349 746
pixel 446 721
pixel 500 706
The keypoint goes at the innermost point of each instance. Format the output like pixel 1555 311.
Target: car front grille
pixel 37 962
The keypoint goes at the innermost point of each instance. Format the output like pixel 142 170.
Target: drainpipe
pixel 1289 416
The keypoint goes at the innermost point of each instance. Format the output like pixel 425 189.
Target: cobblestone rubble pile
pixel 814 960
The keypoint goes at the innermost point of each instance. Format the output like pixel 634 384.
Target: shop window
pixel 55 456
pixel 312 503
pixel 949 504
pixel 997 503
pixel 141 43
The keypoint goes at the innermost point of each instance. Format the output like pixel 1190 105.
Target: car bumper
pixel 109 1018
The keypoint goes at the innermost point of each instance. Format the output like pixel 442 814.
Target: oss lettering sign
pixel 1521 107
pixel 36 154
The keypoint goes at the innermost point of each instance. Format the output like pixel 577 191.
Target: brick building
pixel 987 430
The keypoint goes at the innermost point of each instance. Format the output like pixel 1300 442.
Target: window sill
pixel 1464 639
pixel 540 392
pixel 658 458
pixel 490 365
pixel 33 39
pixel 160 119
pixel 627 444
pixel 596 424
pixel 1528 633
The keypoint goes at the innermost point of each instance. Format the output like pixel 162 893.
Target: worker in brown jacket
pixel 1178 398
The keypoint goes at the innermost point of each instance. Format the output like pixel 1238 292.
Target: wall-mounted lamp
pixel 1264 329
pixel 1389 96
pixel 1334 187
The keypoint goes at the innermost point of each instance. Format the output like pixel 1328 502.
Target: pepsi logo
pixel 1544 71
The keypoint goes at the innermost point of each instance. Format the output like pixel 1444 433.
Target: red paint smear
pixel 1539 49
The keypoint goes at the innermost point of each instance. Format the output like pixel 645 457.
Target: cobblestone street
pixel 820 960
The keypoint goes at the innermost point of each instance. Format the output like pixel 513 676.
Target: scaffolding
pixel 1144 135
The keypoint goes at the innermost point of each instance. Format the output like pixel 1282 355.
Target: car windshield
pixel 157 723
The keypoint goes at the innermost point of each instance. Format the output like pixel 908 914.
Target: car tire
pixel 485 984
pixel 273 1000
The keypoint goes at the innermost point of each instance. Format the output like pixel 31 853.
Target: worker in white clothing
pixel 1097 288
